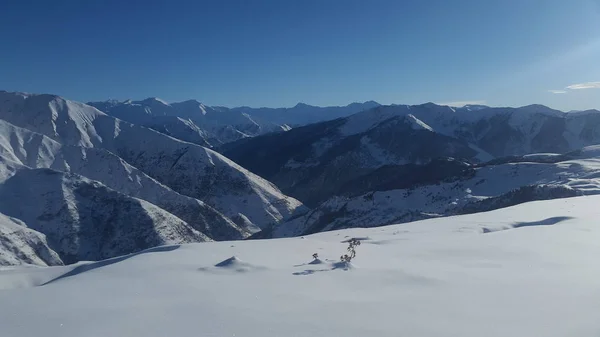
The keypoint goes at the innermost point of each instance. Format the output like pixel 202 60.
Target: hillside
pixel 527 270
pixel 21 245
pixel 315 162
pixel 470 189
pixel 205 191
pixel 85 220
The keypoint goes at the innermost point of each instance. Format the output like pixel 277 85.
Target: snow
pixel 440 277
pixel 531 125
pixel 590 151
pixel 214 126
pixel 482 155
pixel 19 244
pixel 84 219
pixel 539 156
pixel 378 208
pixel 366 120
pixel 417 124
pixel 45 131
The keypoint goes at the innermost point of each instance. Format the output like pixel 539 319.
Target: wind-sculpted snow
pixel 527 270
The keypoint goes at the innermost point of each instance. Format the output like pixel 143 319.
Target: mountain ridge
pixel 172 178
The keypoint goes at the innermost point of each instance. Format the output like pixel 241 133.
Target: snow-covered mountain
pixel 527 270
pixel 389 164
pixel 315 162
pixel 318 161
pixel 85 220
pixel 22 245
pixel 197 123
pixel 202 189
pixel 38 151
pixel 458 188
pixel 304 114
pixel 498 131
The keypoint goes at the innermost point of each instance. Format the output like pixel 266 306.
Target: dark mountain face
pixel 393 177
pixel 318 161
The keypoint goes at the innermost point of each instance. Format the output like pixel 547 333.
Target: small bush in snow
pixel 351 251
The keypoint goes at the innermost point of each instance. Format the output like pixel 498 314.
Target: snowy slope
pixel 186 168
pixel 21 245
pixel 115 173
pixel 190 120
pixel 26 147
pixel 529 270
pixel 85 220
pixel 203 174
pixel 37 151
pixel 475 189
pixel 156 115
pixel 62 120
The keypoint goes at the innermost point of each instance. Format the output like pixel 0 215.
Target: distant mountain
pixel 209 196
pixel 462 189
pixel 304 114
pixel 319 161
pixel 502 131
pixel 197 123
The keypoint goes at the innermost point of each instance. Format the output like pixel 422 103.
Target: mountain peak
pixel 302 105
pixel 474 107
pixel 190 101
pixel 154 100
pixel 434 107
pixel 371 103
pixel 536 107
pixel 190 108
pixel 364 105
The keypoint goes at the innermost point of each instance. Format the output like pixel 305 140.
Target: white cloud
pixel 587 85
pixel 459 104
pixel 577 86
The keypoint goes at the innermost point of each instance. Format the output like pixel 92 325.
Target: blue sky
pixel 322 52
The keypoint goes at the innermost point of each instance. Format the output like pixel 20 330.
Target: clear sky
pixel 322 52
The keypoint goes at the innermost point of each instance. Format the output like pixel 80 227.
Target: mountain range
pixel 393 144
pixel 73 173
pixel 208 126
pixel 94 181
